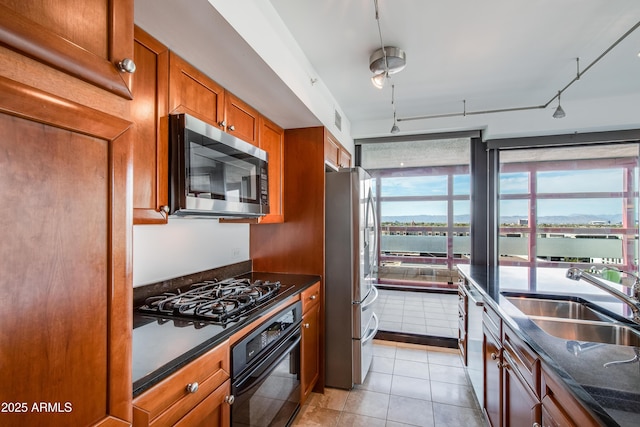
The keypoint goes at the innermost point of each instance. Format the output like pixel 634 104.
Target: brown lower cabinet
pixel 518 390
pixel 310 345
pixel 196 395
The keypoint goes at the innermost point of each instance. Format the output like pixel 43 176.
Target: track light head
pixel 559 113
pixel 379 79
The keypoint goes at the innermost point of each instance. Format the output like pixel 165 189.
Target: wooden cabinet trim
pixel 33 40
pixel 33 104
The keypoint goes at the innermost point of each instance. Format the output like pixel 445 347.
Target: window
pixel 569 206
pixel 423 193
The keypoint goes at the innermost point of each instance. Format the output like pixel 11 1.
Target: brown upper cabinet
pixel 166 84
pixel 192 92
pixel 88 39
pixel 149 108
pixel 240 119
pixel 271 137
pixel 334 153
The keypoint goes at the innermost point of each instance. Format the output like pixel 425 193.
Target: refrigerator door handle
pixel 373 300
pixel 375 331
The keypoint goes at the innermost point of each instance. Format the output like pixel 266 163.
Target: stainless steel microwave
pixel 214 174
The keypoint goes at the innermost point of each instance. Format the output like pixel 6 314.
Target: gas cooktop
pixel 213 301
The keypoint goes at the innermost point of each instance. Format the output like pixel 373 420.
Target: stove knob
pixel 192 388
pixel 230 399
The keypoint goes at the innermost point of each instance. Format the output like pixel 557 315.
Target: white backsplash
pixel 186 246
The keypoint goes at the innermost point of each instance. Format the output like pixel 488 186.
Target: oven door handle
pixel 261 371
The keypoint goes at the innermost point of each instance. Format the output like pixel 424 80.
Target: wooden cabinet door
pixel 213 411
pixel 148 112
pixel 521 406
pixel 272 141
pixel 310 350
pixel 191 91
pixel 331 150
pixel 492 378
pixel 84 38
pixel 559 407
pixel 344 158
pixel 66 270
pixel 241 120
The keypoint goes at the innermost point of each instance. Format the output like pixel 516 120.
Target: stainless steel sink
pixel 573 319
pixel 565 309
pixel 602 332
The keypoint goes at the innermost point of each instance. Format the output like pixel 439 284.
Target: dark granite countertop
pixel 612 393
pixel 161 346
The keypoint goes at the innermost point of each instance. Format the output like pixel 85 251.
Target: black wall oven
pixel 265 368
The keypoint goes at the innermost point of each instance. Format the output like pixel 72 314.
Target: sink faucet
pixel 632 301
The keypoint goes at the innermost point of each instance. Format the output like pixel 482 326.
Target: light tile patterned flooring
pixel 408 385
pixel 418 312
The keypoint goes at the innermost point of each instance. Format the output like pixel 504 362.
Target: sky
pixel 564 182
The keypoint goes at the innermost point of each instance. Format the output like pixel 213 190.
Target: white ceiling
pixel 494 54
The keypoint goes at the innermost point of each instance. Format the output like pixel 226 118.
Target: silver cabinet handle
pixel 231 128
pixel 164 208
pixel 230 399
pixel 222 123
pixel 306 326
pixel 127 65
pixel 193 387
pixel 312 297
pixel 494 356
pixel 536 425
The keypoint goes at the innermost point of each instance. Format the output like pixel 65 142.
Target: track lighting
pixel 385 61
pixel 394 128
pixel 559 113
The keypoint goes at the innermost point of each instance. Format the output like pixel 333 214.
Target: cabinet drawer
pixel 523 358
pixel 310 296
pixel 169 400
pixel 492 321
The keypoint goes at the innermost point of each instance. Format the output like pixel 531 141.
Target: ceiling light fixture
pixel 385 61
pixel 559 113
pixel 394 129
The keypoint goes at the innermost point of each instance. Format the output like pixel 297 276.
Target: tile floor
pixel 418 312
pixel 408 385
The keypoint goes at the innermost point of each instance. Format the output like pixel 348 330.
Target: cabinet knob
pixel 164 209
pixel 127 65
pixel 306 326
pixel 536 425
pixel 312 297
pixel 222 124
pixel 231 128
pixel 230 399
pixel 494 356
pixel 192 388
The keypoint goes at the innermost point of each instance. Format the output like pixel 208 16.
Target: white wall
pixel 185 246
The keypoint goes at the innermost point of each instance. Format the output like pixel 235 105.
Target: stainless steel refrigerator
pixel 351 254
